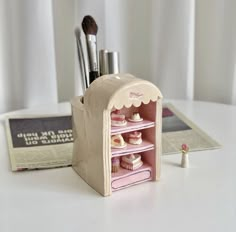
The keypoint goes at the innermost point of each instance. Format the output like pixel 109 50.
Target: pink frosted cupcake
pixel 118 119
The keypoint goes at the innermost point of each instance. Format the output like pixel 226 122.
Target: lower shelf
pixel 125 178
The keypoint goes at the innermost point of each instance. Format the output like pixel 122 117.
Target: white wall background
pixel 187 48
pixel 172 36
pixel 28 71
pixel 63 19
pixel 215 66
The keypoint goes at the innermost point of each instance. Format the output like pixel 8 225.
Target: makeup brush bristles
pixel 89 25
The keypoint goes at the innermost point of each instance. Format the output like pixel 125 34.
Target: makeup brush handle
pixel 92 76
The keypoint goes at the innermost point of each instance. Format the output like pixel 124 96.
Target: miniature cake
pixel 135 138
pixel 115 164
pixel 117 141
pixel 118 119
pixel 135 117
pixel 131 162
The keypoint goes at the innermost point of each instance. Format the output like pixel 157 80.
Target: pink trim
pixel 132 127
pixel 130 148
pixel 124 172
pixel 125 178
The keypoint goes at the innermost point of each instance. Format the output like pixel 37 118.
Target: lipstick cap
pixel 103 62
pixel 113 62
pixel 109 62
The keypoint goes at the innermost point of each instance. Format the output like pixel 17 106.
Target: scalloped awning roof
pixel 119 90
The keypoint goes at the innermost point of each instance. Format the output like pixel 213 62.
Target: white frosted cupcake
pixel 135 117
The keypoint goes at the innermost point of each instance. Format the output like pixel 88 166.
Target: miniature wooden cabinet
pixel 91 117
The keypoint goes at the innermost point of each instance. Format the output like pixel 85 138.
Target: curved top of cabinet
pixel 119 90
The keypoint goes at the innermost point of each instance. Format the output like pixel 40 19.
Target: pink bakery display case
pixel 117 133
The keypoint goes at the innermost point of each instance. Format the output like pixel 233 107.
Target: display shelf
pixel 132 126
pixel 130 148
pixel 125 178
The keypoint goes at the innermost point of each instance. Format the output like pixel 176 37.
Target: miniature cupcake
pixel 135 117
pixel 115 164
pixel 117 141
pixel 118 119
pixel 135 138
pixel 131 161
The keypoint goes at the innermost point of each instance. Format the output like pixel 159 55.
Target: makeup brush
pixel 90 29
pixel 81 58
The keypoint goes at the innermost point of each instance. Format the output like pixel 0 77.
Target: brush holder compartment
pixel 92 130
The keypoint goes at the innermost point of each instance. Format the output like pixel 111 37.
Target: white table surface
pixel 200 198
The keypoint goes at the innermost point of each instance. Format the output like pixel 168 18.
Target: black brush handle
pixel 92 76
